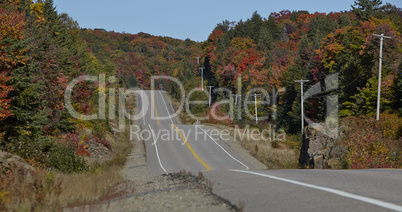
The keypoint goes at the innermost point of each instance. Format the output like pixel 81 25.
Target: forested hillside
pixel 270 52
pixel 136 58
pixel 273 51
pixel 42 51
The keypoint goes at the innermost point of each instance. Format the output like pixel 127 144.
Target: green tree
pixel 398 101
pixel 225 26
pixel 264 39
pixel 366 99
pixel 12 25
pixel 397 92
pixel 344 21
pixel 365 8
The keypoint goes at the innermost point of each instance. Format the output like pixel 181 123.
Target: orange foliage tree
pixel 12 25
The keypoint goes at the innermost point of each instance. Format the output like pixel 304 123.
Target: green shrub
pixel 29 148
pixel 274 144
pixel 47 153
pixel 371 143
pixel 391 125
pixel 64 159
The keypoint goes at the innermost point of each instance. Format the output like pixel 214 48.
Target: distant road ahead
pixel 171 147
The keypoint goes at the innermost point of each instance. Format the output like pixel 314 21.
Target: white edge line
pixel 156 149
pixel 170 103
pixel 222 148
pixel 330 190
pixel 165 106
pixel 142 107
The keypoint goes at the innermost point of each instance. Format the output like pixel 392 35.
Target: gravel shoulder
pixel 140 191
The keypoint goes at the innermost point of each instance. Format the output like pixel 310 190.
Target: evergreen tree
pixel 272 26
pixel 225 26
pixel 27 105
pixel 344 21
pixel 398 97
pixel 264 39
pixel 366 100
pixel 397 92
pixel 255 24
pixel 365 8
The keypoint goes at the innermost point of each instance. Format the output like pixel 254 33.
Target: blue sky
pixel 182 19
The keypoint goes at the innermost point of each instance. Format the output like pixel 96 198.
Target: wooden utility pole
pixel 209 98
pixel 302 102
pixel 255 102
pixel 202 77
pixel 379 74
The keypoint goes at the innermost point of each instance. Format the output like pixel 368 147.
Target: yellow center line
pixel 192 150
pixel 153 101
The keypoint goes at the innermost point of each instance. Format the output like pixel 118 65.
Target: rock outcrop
pixel 14 166
pixel 320 150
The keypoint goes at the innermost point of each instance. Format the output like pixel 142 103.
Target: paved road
pixel 172 147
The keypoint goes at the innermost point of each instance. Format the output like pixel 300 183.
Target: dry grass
pixel 274 154
pixel 81 188
pixel 24 190
pixel 85 188
pixel 44 191
pixel 48 191
pixel 41 190
pixel 271 157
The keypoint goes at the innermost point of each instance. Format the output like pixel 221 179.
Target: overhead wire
pixel 322 95
pixel 391 66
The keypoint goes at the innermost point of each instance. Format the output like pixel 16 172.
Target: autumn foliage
pixel 41 51
pixel 272 52
pixel 12 25
pixel 373 144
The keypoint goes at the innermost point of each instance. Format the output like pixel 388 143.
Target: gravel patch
pixel 140 191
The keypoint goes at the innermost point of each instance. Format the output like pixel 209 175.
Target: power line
pixel 391 66
pixel 325 95
pixel 346 86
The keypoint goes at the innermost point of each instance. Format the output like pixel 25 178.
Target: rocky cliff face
pixel 319 150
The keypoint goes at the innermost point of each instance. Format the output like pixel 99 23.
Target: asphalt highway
pixel 172 147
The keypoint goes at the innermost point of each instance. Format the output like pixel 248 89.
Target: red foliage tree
pixel 12 25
